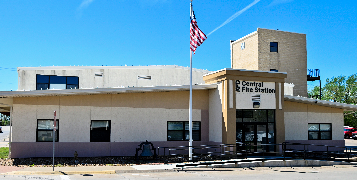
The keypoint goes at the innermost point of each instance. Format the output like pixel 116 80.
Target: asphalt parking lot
pixel 4 137
pixel 276 173
pixel 350 142
pixel 324 172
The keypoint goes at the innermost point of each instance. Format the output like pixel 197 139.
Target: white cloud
pixel 234 16
pixel 85 4
pixel 276 2
pixel 145 3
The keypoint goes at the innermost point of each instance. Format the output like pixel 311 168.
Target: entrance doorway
pixel 255 130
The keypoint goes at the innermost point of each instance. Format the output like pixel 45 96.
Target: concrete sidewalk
pixel 4 143
pixel 4 137
pixel 92 170
pixel 150 168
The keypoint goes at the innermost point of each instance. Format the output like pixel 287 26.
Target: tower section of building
pixel 273 50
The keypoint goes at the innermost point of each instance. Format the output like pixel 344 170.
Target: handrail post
pixel 283 147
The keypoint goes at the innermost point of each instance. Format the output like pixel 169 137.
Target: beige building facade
pixel 133 117
pixel 267 50
pixel 111 76
pixel 232 107
pixel 108 111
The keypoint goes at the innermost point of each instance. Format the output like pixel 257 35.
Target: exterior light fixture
pixel 256 101
pixel 256 104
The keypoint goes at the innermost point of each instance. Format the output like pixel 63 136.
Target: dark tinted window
pixel 72 86
pixel 44 82
pixel 72 80
pixel 57 79
pixel 255 115
pixel 320 131
pixel 45 130
pixel 271 115
pixel 239 113
pixel 179 131
pixel 248 114
pixel 42 79
pixel 100 131
pixel 41 86
pixel 273 47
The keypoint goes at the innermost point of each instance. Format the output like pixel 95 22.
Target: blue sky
pixel 156 32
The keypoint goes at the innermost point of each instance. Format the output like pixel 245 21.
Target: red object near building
pixel 348 132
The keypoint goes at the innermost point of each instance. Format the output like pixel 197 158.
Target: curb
pixel 266 163
pixel 59 172
pixel 145 171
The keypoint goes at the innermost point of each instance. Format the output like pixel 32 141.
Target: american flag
pixel 196 35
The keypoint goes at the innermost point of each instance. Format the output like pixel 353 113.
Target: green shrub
pixel 4 152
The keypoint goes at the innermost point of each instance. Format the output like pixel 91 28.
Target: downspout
pixel 11 113
pixel 231 53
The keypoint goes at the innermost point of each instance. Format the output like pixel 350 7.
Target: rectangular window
pixel 320 131
pixel 44 82
pixel 45 130
pixel 72 82
pixel 57 82
pixel 100 131
pixel 273 46
pixel 179 131
pixel 255 115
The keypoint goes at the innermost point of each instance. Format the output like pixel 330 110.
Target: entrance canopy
pixel 305 100
pixel 6 97
pixel 5 105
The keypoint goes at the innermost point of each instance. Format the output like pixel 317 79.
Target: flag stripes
pixel 196 35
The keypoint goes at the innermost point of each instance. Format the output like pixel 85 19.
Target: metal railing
pixel 240 150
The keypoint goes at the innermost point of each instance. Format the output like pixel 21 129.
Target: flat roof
pixel 243 70
pixel 114 90
pixel 6 96
pixel 109 67
pixel 305 100
pixel 244 74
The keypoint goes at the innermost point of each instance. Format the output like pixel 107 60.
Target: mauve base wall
pixel 91 149
pixel 317 145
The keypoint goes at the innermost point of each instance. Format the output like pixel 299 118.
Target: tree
pixel 314 93
pixel 4 120
pixel 343 90
pixel 334 89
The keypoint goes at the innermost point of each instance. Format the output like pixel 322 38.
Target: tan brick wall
pixel 134 116
pixel 291 56
pixel 299 115
pixel 246 58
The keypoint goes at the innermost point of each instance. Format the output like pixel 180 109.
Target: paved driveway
pixel 4 137
pixel 350 142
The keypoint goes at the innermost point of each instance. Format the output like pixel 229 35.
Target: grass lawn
pixel 4 152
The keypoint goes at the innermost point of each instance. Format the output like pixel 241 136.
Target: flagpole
pixel 190 106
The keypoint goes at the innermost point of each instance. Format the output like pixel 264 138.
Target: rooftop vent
pixel 144 77
pixel 98 74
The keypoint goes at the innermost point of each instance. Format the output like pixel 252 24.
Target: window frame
pixel 242 114
pixel 272 46
pixel 91 130
pixel 183 131
pixel 49 81
pixel 69 84
pixel 57 130
pixel 319 131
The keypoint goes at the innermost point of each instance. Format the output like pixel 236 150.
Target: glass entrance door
pixel 254 128
pixel 261 137
pixel 252 136
pixel 249 137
